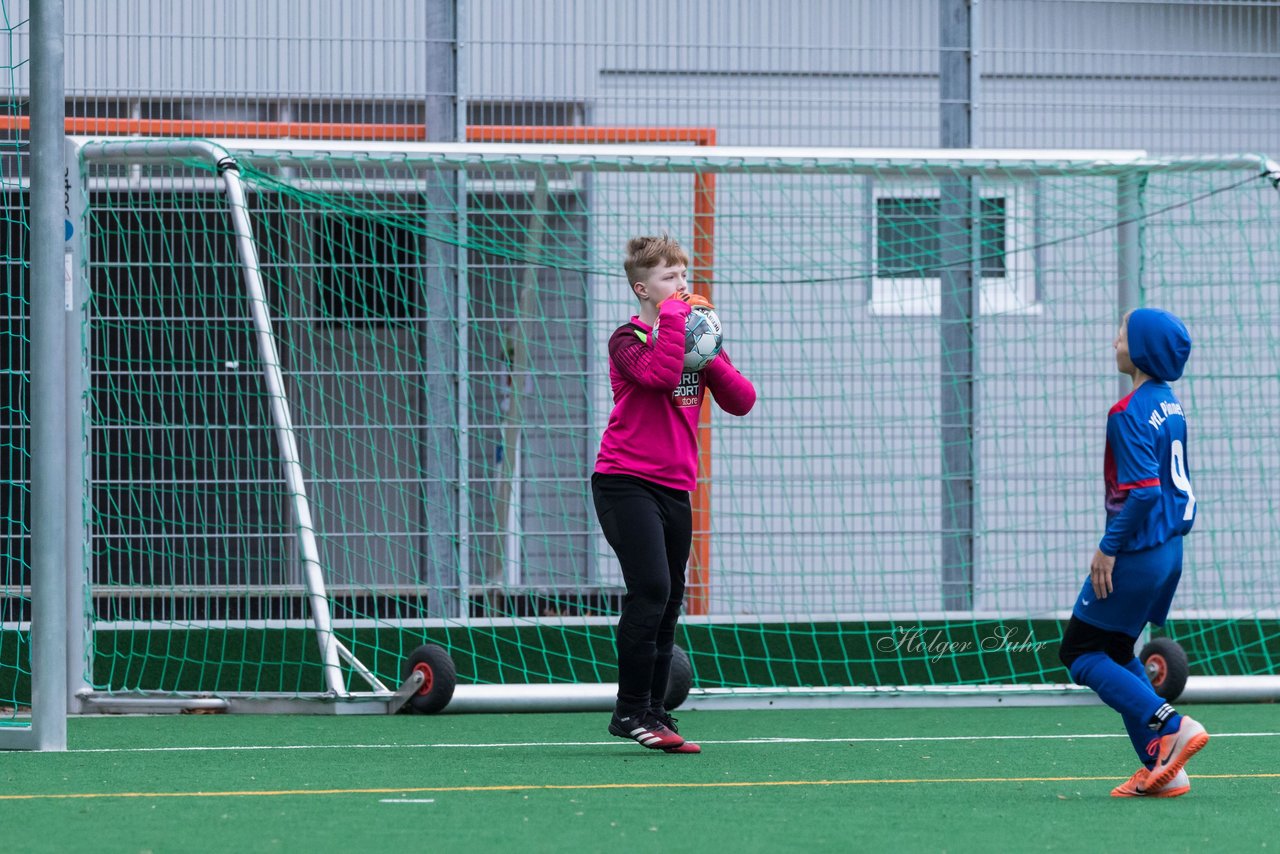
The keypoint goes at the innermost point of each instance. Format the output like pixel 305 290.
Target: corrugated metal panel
pixel 1169 77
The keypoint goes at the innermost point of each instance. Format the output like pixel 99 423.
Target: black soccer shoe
pixel 661 716
pixel 646 729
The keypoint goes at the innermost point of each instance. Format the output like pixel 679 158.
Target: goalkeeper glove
pixel 693 300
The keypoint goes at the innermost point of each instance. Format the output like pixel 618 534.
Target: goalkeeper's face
pixel 661 282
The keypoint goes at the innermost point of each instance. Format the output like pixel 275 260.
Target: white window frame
pixel 1014 293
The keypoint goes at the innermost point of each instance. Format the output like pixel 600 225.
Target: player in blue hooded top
pixel 1136 568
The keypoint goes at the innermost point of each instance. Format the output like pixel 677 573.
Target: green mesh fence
pixel 442 343
pixel 15 577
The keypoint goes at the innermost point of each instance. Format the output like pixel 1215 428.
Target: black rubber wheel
pixel 439 678
pixel 681 679
pixel 1166 665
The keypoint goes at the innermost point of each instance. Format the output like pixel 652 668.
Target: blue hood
pixel 1159 343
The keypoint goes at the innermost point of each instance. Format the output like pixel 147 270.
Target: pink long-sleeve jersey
pixel 653 429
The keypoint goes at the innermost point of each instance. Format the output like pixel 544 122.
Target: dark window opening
pixel 908 245
pixel 369 271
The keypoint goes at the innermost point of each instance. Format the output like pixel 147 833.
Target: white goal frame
pixel 226 155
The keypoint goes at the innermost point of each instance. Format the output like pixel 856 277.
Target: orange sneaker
pixel 1135 786
pixel 1173 751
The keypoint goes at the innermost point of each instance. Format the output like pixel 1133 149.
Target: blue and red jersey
pixel 1149 499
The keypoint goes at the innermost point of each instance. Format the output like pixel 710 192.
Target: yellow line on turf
pixel 591 786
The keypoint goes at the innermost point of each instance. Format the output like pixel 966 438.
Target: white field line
pixel 627 743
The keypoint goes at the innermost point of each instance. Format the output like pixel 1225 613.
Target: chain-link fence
pixel 1169 78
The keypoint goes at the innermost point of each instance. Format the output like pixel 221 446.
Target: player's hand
pixel 1100 573
pixel 693 300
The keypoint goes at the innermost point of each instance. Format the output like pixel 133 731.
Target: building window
pixel 368 271
pixel 907 251
pixel 908 245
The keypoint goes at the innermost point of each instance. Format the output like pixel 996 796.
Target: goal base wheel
pixel 1166 665
pixel 439 678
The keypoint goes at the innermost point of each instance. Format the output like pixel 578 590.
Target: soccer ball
pixel 702 338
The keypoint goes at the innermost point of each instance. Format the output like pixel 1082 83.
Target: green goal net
pixel 15 580
pixel 356 403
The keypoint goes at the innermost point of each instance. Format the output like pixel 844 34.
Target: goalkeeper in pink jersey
pixel 644 473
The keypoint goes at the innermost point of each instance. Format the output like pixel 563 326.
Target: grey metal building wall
pixel 1165 76
pixel 1168 77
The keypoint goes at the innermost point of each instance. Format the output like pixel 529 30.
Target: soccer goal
pixel 339 402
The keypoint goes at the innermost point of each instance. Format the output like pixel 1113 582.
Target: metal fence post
pixel 447 404
pixel 959 296
pixel 50 302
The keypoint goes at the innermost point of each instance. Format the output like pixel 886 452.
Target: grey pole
pixel 1129 187
pixel 76 338
pixel 957 208
pixel 48 408
pixel 446 440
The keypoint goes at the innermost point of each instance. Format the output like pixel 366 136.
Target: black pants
pixel 650 528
